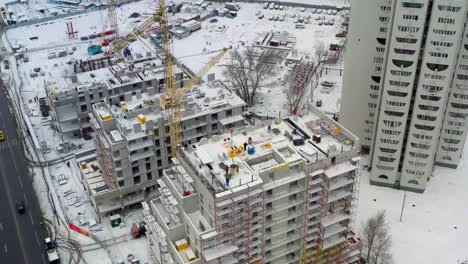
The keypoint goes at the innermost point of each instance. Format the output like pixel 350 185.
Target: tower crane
pixel 171 101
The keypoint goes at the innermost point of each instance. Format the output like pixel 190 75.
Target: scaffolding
pixel 331 206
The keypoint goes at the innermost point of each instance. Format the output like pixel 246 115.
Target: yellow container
pixel 141 118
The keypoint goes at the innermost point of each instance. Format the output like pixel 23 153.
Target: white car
pixel 334 12
pixel 319 11
pixel 303 9
pixel 313 10
pixel 320 23
pixel 329 11
pixel 281 18
pixel 270 18
pixel 281 7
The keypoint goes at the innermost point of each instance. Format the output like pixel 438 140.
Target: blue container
pixel 251 150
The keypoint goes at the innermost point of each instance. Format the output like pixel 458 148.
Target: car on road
pixel 2 135
pixel 20 207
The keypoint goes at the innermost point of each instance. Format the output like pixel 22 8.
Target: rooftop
pixel 136 111
pixel 240 157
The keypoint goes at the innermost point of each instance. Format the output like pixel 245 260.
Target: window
pixel 411 5
pixel 444 32
pixel 415 172
pixel 453 132
pixel 398 94
pixel 121 183
pixel 387 150
pixel 459 106
pixel 462 77
pixel 420 146
pixel 441 44
pixel 391 132
pixel 446 20
pixel 428 107
pixel 451 149
pixel 116 153
pixel 394 113
pixel 381 41
pixel 135 170
pixel 406 40
pixel 438 54
pixel 410 17
pixel 419 136
pixel 424 127
pixel 399 83
pixel 402 63
pixel 430 98
pixel 393 103
pixel 383 177
pixel 385 9
pixel 136 180
pixel 415 182
pixel 437 67
pixel 84 108
pixel 392 123
pixel 449 8
pixel 452 141
pixel 426 118
pixel 417 163
pixel 408 29
pixel 148 166
pixel 432 88
pixel 386 159
pixel 118 163
pixel 418 155
pixel 400 73
pixel 389 141
pixel 447 158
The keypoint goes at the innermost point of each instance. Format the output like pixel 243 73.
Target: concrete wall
pixel 358 65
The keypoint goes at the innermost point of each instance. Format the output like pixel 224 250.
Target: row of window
pixel 400 73
pixel 438 54
pixel 410 17
pixel 446 20
pixel 394 103
pixel 449 8
pixel 434 76
pixel 408 29
pixel 421 136
pixel 441 44
pixel 391 132
pixel 444 32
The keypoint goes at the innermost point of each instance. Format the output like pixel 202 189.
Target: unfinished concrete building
pixel 71 99
pixel 273 193
pixel 133 145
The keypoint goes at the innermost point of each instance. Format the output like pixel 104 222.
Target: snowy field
pixel 434 226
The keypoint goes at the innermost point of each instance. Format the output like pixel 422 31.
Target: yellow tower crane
pixel 171 101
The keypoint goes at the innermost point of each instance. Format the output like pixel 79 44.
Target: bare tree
pixel 319 51
pixel 377 241
pixel 247 70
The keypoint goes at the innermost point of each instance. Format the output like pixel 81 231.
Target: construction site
pixel 283 191
pixel 135 101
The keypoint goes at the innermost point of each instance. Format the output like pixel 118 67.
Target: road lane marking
pixel 6 249
pixel 26 199
pixel 30 217
pixel 37 238
pixel 16 168
pixel 43 259
pixel 1 227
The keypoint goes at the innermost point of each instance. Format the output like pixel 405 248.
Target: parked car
pixel 2 136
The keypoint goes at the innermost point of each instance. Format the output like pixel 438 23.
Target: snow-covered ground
pixel 434 226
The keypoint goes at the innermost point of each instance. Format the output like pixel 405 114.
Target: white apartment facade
pixel 417 100
pixel 133 145
pixel 271 193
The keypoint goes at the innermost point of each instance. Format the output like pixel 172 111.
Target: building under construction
pixel 133 141
pixel 280 192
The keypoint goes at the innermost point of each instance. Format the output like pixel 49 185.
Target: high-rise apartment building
pixel 416 71
pixel 277 193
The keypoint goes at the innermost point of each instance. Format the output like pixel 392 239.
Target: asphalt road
pixel 21 236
